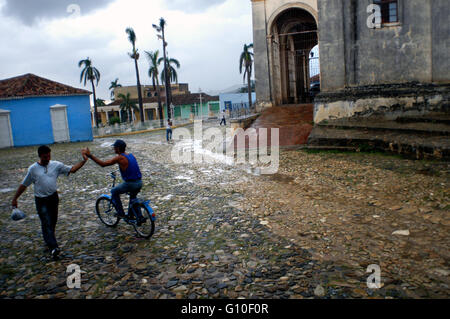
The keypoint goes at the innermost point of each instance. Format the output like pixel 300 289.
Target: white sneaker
pixel 55 253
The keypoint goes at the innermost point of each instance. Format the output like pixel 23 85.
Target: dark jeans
pixel 168 134
pixel 47 208
pixel 223 121
pixel 128 187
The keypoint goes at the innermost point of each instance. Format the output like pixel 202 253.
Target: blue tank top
pixel 132 172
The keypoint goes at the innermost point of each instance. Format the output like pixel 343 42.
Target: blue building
pixel 232 101
pixel 36 111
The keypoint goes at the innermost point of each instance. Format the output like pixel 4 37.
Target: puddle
pixel 209 156
pixel 281 178
pixel 106 144
pixel 6 190
pixel 91 224
pixel 254 171
pixel 185 178
pixel 97 191
pixel 156 142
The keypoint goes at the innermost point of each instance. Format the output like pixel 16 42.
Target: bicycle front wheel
pixel 146 227
pixel 106 212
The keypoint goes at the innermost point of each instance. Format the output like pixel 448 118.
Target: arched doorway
pixel 294 35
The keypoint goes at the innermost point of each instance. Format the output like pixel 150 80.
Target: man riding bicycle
pixel 129 169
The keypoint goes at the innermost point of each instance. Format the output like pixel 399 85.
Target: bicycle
pixel 140 214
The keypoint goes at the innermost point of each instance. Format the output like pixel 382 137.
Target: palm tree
pixel 153 73
pixel 135 56
pixel 161 29
pixel 114 84
pixel 127 105
pixel 246 62
pixel 172 75
pixel 90 73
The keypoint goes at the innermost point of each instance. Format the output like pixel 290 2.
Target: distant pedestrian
pixel 224 121
pixel 43 175
pixel 169 130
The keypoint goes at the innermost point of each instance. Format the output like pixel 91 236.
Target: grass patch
pixel 100 286
pixel 317 151
pixel 363 152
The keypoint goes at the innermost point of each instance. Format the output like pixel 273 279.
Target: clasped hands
pixel 86 153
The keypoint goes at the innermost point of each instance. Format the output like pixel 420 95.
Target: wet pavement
pixel 309 231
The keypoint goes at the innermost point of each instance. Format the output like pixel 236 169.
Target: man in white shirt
pixel 224 121
pixel 44 175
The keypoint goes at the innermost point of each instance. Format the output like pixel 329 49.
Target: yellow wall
pixel 134 93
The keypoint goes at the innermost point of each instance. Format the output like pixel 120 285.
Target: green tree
pixel 135 56
pixel 153 73
pixel 246 63
pixel 127 105
pixel 90 73
pixel 114 84
pixel 100 102
pixel 114 120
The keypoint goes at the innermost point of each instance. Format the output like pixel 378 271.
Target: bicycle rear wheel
pixel 106 212
pixel 146 228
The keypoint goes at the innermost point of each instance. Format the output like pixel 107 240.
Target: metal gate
pixel 295 54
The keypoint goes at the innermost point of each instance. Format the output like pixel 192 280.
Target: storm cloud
pixel 192 5
pixel 30 11
pixel 207 42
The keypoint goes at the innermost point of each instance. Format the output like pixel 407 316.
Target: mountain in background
pixel 232 89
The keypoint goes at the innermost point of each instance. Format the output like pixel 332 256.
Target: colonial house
pixel 377 57
pixel 185 106
pixel 150 91
pixel 35 111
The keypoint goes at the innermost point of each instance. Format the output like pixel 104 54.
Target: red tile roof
pixel 181 99
pixel 32 85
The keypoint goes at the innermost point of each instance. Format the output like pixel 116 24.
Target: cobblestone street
pixel 223 231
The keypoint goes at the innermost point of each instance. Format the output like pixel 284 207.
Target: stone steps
pixel 417 142
pixel 408 125
pixel 437 118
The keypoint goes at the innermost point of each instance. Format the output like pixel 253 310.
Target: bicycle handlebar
pixel 113 175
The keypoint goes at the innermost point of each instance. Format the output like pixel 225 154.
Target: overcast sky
pixel 44 37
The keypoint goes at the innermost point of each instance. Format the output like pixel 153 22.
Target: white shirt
pixel 44 177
